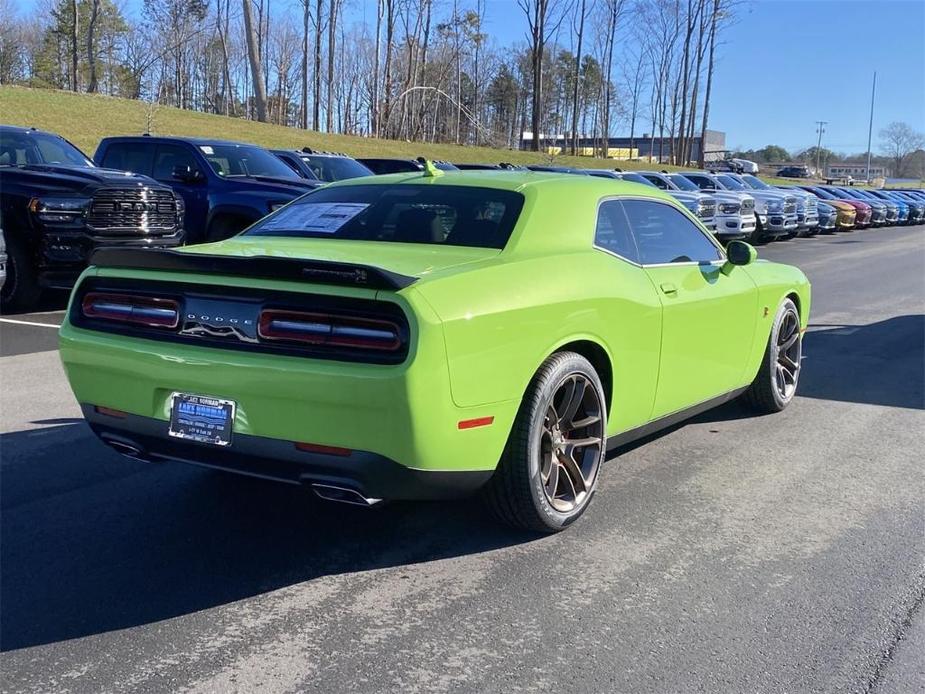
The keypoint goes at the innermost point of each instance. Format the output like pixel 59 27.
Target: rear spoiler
pixel 261 266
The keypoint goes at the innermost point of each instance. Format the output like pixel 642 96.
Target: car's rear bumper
pixel 372 476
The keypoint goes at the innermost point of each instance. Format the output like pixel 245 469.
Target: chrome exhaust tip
pixel 127 449
pixel 343 495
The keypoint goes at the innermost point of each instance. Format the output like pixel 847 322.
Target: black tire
pixel 226 226
pixel 757 236
pixel 21 291
pixel 517 493
pixel 766 394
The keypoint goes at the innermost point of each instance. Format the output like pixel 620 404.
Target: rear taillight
pixel 153 312
pixel 329 330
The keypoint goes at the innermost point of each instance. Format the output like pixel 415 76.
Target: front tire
pixel 776 383
pixel 21 290
pixel 549 469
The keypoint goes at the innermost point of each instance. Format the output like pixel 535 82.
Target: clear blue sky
pixel 788 63
pixel 783 65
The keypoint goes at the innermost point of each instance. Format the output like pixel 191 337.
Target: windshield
pixel 244 160
pixel 824 194
pixel 24 148
pixel 327 168
pixel 755 182
pixel 730 183
pixel 683 183
pixel 636 178
pixel 449 215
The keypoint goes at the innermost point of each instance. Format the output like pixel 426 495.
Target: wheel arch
pixel 594 351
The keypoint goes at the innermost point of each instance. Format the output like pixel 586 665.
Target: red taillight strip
pixel 126 308
pixel 324 450
pixel 109 412
pixel 477 422
pixel 329 330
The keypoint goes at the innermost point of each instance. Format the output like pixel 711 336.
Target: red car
pixel 864 211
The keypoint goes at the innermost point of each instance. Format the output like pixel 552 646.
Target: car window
pixel 657 181
pixel 170 157
pixel 613 231
pixel 449 215
pixel 327 168
pixel 129 156
pixel 701 182
pixel 665 235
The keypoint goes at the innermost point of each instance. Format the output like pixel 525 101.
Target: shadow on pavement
pixel 93 542
pixel 878 364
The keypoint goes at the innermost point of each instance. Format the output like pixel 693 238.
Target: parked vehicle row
pixel 58 205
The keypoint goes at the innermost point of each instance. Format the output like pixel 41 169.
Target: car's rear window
pixel 433 214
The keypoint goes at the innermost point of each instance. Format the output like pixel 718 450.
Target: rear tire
pixel 21 291
pixel 549 469
pixel 778 377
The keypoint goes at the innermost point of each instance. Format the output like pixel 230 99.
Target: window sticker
pixel 317 218
pixel 206 149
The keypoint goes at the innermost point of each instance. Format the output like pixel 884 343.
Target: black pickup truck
pixel 57 207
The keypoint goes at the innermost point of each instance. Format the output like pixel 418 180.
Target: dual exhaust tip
pixel 328 492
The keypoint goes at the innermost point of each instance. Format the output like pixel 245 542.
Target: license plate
pixel 201 418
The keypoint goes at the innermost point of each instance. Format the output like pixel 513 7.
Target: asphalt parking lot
pixel 731 554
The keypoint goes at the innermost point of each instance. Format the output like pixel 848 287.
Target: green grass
pixel 84 119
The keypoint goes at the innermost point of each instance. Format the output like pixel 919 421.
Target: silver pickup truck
pixel 776 210
pixel 735 212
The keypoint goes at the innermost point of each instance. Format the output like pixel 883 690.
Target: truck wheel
pixel 549 468
pixel 225 227
pixel 21 291
pixel 757 236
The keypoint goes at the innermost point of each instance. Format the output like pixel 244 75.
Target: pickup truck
pixel 57 207
pixel 226 186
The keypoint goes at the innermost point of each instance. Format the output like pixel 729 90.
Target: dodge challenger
pixel 426 335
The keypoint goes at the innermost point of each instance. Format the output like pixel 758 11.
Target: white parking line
pixel 29 322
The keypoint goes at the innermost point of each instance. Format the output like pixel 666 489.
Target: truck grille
pixel 790 206
pixel 133 211
pixel 706 209
pixel 811 204
pixel 748 207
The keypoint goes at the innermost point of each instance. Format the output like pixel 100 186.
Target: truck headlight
pixel 58 209
pixel 775 205
pixel 730 207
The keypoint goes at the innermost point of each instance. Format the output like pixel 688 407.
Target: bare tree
pixel 253 56
pixel 898 141
pixel 543 20
pixel 576 77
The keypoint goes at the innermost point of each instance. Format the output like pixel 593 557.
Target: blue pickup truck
pixel 226 186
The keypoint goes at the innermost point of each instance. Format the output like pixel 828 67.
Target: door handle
pixel 669 288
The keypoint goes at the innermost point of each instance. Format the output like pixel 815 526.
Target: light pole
pixel 820 128
pixel 870 128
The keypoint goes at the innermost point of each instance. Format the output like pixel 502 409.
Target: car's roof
pixel 511 180
pixel 179 138
pixel 26 130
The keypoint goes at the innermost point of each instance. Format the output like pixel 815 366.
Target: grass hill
pixel 84 119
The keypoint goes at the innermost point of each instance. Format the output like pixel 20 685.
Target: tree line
pixel 419 70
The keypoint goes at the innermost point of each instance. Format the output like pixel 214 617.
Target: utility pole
pixel 870 128
pixel 820 128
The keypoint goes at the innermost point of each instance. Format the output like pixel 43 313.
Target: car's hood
pixel 58 178
pixel 415 260
pixel 729 195
pixel 273 184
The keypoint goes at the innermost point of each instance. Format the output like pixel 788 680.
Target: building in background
pixel 856 171
pixel 643 147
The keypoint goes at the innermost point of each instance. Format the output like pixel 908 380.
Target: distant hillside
pixel 84 119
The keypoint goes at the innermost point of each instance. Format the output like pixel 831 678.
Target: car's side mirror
pixel 187 174
pixel 738 253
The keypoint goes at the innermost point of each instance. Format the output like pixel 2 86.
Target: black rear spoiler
pixel 260 266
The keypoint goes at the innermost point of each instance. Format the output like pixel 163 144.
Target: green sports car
pixel 427 335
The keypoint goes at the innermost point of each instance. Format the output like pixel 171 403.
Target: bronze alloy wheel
pixel 571 442
pixel 787 354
